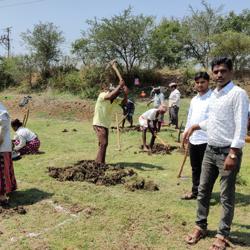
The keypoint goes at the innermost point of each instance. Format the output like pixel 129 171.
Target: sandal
pixel 221 243
pixel 196 235
pixel 189 196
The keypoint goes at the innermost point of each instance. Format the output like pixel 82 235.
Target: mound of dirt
pixel 160 149
pixel 102 174
pixel 90 171
pixel 140 183
pixel 6 211
pixel 127 129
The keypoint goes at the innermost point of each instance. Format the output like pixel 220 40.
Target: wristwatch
pixel 233 156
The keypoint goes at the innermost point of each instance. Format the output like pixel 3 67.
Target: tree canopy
pixel 43 42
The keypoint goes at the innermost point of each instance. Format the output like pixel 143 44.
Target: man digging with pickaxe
pixel 105 104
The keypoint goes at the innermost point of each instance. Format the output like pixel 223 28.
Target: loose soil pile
pixel 161 149
pixel 90 171
pixel 127 129
pixel 139 183
pixel 101 174
pixel 6 211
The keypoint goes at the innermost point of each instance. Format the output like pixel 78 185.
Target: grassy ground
pixel 112 217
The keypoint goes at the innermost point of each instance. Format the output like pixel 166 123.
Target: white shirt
pixel 158 100
pixel 24 135
pixel 227 118
pixel 174 98
pixel 6 145
pixel 197 113
pixel 150 114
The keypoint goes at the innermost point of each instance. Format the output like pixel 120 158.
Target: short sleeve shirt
pixel 104 110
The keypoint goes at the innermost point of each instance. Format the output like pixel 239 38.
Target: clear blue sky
pixel 71 15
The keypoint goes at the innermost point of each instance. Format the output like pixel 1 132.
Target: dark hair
pixel 222 60
pixel 201 74
pixel 16 123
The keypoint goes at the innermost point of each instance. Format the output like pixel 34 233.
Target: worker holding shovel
pixel 149 121
pixel 105 104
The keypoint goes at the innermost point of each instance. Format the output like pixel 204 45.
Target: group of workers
pixel 24 142
pixel 215 133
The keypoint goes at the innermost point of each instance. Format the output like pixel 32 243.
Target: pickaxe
pixel 113 64
pixel 25 102
pixel 163 142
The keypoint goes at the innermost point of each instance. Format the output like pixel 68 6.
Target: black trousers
pixel 196 153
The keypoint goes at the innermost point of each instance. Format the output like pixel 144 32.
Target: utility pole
pixel 5 40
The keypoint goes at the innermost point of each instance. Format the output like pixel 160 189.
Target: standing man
pixel 105 103
pixel 158 100
pixel 226 128
pixel 174 104
pixel 198 111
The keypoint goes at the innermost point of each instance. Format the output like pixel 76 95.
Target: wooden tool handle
pixel 117 72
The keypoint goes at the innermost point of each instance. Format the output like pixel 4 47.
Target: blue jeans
pixel 212 167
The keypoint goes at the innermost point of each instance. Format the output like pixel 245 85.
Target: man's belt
pixel 219 150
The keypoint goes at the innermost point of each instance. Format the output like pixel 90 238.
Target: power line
pixel 18 4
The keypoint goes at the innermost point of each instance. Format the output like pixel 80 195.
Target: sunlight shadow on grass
pixel 241 238
pixel 139 165
pixel 240 199
pixel 28 197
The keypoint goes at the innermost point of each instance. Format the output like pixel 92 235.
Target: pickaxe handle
pixel 118 133
pixel 164 143
pixel 183 162
pixel 124 117
pixel 25 118
pixel 117 71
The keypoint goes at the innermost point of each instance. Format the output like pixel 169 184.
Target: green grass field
pixel 110 217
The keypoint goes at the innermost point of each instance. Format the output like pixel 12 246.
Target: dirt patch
pixel 41 105
pixel 160 149
pixel 126 129
pixel 137 183
pixel 6 211
pixel 102 174
pixel 90 171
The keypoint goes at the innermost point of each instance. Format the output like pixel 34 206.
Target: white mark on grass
pixel 58 208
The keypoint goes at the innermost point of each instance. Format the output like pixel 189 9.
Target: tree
pixel 200 26
pixel 237 23
pixel 124 36
pixel 43 42
pixel 81 49
pixel 236 45
pixel 166 43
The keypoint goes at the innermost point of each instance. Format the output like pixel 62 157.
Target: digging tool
pixel 26 117
pixel 163 142
pixel 179 133
pixel 25 102
pixel 184 161
pixel 114 66
pixel 124 117
pixel 118 133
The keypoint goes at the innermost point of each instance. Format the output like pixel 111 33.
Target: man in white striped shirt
pixel 198 111
pixel 226 128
